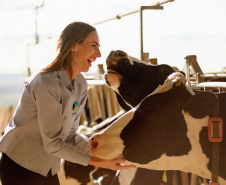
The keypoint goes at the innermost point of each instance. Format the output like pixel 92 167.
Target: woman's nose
pixel 98 53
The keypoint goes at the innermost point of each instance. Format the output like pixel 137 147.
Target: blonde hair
pixel 74 33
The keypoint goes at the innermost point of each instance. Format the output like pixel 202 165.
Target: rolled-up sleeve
pixel 53 132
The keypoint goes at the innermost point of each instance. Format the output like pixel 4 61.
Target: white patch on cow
pixel 109 139
pixel 126 176
pixel 114 80
pixel 132 60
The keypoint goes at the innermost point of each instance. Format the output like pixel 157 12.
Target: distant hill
pixel 11 87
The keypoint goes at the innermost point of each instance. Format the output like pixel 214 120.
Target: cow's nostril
pixel 94 144
pixel 120 53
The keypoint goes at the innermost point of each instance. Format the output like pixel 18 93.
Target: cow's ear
pixel 200 104
pixel 183 73
pixel 122 103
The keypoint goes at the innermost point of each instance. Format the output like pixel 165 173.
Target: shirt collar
pixel 64 78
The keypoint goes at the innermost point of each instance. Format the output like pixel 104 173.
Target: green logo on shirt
pixel 75 107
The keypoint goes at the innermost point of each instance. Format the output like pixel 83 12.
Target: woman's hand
pixel 114 164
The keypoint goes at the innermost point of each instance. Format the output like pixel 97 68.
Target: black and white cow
pixel 168 129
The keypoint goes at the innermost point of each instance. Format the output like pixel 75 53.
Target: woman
pixel 43 128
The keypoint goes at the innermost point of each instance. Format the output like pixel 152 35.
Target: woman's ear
pixel 74 49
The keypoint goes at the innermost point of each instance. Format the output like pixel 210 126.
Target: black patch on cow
pixel 158 127
pixel 147 177
pixel 200 105
pixel 122 103
pixel 207 146
pixel 109 176
pixel 78 172
pixel 140 80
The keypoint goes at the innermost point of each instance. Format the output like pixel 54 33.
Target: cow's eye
pixel 121 54
pixel 166 72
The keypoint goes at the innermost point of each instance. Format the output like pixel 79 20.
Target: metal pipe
pixel 36 39
pixel 36 22
pixel 119 16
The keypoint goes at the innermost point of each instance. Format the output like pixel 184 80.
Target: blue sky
pixel 184 27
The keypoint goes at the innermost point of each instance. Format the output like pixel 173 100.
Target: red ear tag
pixel 215 129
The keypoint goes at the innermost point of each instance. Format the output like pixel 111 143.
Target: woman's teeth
pixel 90 60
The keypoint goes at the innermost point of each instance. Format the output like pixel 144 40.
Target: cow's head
pixel 132 79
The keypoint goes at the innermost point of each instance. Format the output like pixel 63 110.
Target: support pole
pixel 157 7
pixel 141 34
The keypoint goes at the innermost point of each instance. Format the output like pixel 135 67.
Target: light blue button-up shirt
pixel 43 128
